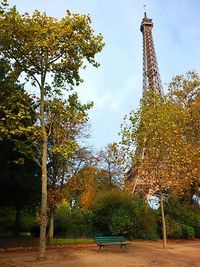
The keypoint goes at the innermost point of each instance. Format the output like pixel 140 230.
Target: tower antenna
pixel 145 12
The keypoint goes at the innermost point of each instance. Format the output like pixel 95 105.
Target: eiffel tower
pixel 151 75
pixel 151 81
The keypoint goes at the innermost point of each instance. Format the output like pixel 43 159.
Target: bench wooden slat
pixel 110 238
pixel 103 241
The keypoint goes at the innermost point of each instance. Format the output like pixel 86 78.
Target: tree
pixel 111 160
pixel 162 131
pixel 185 95
pixel 40 45
pixel 148 153
pixel 82 187
pixel 19 175
pixel 67 120
pixel 156 137
pixel 15 114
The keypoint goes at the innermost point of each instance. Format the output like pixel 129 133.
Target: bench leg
pixel 123 245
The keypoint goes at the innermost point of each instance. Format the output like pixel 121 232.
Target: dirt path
pixel 139 254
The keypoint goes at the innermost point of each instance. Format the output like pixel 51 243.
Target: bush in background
pixel 145 220
pixel 183 219
pixel 62 219
pixel 118 213
pixel 108 208
pixel 72 222
pixel 174 229
pixel 121 223
pixel 188 231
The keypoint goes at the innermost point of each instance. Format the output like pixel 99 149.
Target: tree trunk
pixel 43 214
pixel 163 221
pixel 110 175
pixel 51 224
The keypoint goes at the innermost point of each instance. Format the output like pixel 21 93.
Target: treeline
pixel 119 213
pixel 116 212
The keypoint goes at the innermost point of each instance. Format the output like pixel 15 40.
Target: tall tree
pixel 67 120
pixel 18 174
pixel 185 95
pixel 39 46
pixel 86 183
pixel 161 133
pixel 111 160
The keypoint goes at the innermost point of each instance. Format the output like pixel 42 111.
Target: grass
pixel 25 240
pixel 70 241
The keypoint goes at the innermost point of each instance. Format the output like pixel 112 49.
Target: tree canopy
pixel 50 53
pixel 165 136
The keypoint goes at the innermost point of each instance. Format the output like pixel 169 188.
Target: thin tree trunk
pixel 51 224
pixel 43 215
pixel 110 176
pixel 163 221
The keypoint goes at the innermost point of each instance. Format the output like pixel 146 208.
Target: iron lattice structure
pixel 151 81
pixel 151 75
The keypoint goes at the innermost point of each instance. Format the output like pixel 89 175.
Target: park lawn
pixel 29 241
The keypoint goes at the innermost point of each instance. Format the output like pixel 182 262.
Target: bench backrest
pixel 107 239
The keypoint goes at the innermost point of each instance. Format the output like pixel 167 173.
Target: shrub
pixel 197 231
pixel 185 214
pixel 7 220
pixel 188 232
pixel 28 221
pixel 117 212
pixel 145 220
pixel 150 236
pixel 121 223
pixel 174 229
pixel 62 219
pixel 106 205
pixel 72 222
pixel 80 223
pixel 88 218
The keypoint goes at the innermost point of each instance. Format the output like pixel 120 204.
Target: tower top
pixel 146 23
pixel 151 75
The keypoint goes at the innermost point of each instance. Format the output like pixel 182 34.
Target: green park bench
pixel 103 241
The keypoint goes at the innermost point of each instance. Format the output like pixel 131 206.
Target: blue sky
pixel 116 87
